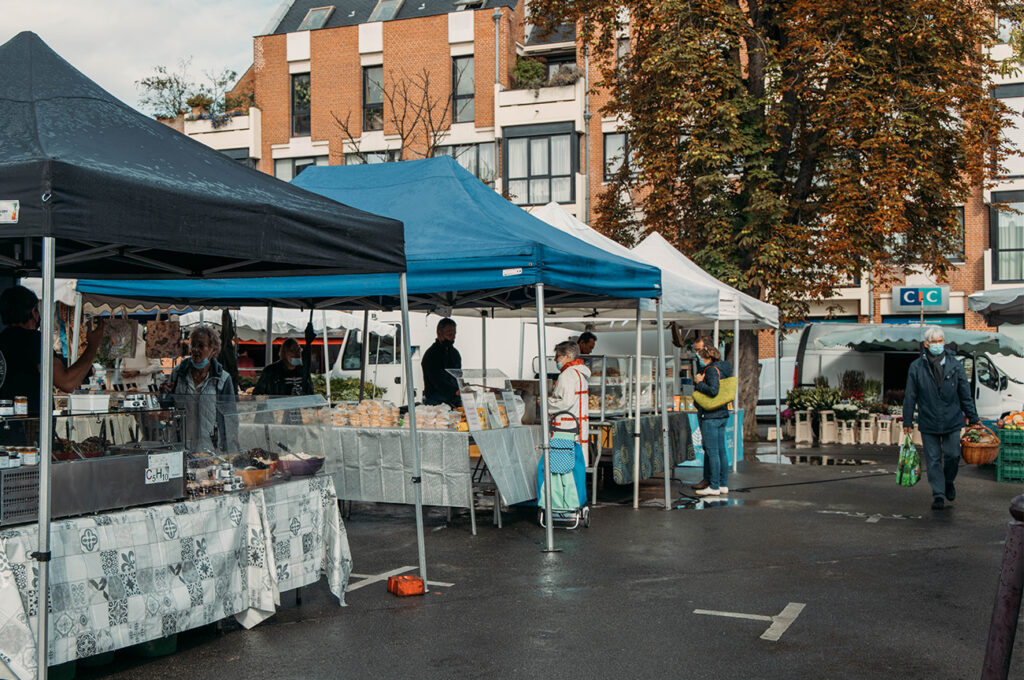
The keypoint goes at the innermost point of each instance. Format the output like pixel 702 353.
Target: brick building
pixel 347 83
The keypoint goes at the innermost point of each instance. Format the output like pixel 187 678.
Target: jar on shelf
pixel 6 407
pixel 21 406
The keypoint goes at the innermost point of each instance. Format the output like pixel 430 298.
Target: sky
pixel 117 42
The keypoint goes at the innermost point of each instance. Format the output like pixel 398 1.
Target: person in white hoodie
pixel 572 393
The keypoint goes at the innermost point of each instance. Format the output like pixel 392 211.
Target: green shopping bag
pixel 908 470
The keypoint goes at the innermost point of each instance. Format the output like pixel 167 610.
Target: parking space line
pixel 367 579
pixel 779 623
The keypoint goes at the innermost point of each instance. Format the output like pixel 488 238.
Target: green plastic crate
pixel 1009 472
pixel 1011 453
pixel 1010 436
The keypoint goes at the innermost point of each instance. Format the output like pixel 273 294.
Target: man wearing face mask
pixel 288 376
pixel 937 386
pixel 20 346
pixel 439 386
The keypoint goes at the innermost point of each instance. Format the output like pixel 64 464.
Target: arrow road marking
pixel 779 623
pixel 377 578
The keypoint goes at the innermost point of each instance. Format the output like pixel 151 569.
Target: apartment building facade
pixel 328 85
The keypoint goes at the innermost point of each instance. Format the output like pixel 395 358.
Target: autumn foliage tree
pixel 788 146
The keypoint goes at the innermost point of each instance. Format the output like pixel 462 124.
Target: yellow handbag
pixel 726 393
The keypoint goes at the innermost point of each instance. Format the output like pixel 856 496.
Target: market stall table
pixel 122 578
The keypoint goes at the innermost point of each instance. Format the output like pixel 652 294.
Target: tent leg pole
pixel 364 355
pixel 778 395
pixel 327 358
pixel 636 413
pixel 483 344
pixel 736 401
pixel 522 346
pixel 717 324
pixel 663 385
pixel 413 437
pixel 45 451
pixel 76 335
pixel 545 428
pixel 269 359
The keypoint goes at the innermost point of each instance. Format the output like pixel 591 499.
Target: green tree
pixel 790 145
pixel 170 93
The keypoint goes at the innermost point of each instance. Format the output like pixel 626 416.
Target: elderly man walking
pixel 937 386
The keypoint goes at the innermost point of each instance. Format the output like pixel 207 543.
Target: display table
pixel 121 578
pixel 616 439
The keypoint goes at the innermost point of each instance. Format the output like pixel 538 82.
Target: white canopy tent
pixel 690 296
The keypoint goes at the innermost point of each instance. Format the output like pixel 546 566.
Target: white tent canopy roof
pixel 753 313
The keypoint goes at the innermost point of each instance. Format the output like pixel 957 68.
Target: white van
pixel 803 360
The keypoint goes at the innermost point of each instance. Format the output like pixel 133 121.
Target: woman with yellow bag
pixel 714 389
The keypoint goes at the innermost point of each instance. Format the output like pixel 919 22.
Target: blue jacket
pixel 939 411
pixel 710 387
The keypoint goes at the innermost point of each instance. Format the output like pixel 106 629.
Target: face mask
pixel 200 364
pixel 936 348
pixel 295 362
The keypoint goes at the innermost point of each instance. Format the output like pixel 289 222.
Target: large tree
pixel 790 145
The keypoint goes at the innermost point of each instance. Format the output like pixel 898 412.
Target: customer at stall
pixel 203 389
pixel 20 346
pixel 439 386
pixel 700 343
pixel 938 388
pixel 712 422
pixel 571 393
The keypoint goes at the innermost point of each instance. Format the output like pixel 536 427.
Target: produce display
pixel 1012 421
pixel 979 437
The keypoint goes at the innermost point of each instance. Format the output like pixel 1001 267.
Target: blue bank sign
pixel 913 298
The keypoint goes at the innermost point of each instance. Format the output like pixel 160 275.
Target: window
pixel 1012 95
pixel 477 158
pixel 1004 27
pixel 539 168
pixel 383 349
pixel 557 61
pixel 622 49
pixel 300 105
pixel 468 4
pixel 373 157
pixel 385 10
pixel 316 18
pixel 241 155
pixel 616 152
pixel 288 169
pixel 1007 237
pixel 987 373
pixel 373 98
pixel 462 90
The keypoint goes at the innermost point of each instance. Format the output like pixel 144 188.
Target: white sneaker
pixel 708 492
pixel 723 489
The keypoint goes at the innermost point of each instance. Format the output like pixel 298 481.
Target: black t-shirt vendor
pixel 439 386
pixel 20 347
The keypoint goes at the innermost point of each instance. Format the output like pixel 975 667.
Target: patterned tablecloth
pixel 121 578
pixel 651 457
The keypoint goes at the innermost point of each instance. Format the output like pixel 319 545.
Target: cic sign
pixel 914 298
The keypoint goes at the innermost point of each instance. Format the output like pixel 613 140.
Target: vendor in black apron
pixel 20 346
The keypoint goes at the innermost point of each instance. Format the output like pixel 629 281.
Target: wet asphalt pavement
pixel 890 588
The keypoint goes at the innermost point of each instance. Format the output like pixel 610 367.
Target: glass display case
pixel 101 461
pixel 612 385
pixel 488 400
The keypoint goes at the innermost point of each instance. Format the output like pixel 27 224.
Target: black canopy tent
pixel 110 193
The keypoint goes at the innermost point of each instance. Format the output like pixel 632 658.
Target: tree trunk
pixel 749 372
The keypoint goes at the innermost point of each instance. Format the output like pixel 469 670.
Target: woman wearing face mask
pixel 203 389
pixel 712 423
pixel 571 392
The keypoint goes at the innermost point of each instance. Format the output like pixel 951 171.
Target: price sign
pixel 509 399
pixel 472 415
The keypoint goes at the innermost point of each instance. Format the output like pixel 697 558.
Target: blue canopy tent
pixel 465 246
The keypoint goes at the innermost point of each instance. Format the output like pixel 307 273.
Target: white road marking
pixel 870 519
pixel 779 623
pixel 378 578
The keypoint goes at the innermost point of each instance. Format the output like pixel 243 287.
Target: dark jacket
pixel 710 387
pixel 439 386
pixel 275 380
pixel 939 411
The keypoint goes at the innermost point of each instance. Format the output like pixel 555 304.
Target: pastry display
pixel 367 413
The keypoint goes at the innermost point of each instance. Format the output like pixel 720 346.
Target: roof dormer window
pixel 385 10
pixel 316 18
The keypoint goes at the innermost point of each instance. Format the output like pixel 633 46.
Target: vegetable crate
pixel 1010 464
pixel 1015 437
